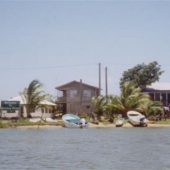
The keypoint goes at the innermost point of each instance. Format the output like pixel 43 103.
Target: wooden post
pixel 81 96
pixel 106 84
pixel 99 79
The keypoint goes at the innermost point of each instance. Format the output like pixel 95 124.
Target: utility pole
pixel 106 84
pixel 99 79
pixel 81 95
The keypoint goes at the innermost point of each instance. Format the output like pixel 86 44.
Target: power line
pixel 48 67
pixel 71 66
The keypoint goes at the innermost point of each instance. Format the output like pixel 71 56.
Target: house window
pixel 87 93
pixel 73 93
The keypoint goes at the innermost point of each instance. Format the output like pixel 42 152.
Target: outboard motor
pixel 83 122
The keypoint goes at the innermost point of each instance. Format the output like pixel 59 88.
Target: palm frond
pixel 33 95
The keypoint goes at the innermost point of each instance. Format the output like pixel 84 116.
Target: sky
pixel 60 41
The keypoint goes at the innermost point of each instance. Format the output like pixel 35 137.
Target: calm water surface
pixel 85 149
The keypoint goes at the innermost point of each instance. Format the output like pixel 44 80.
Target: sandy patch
pixel 100 125
pixel 126 125
pixel 41 126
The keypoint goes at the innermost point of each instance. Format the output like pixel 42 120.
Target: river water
pixel 85 149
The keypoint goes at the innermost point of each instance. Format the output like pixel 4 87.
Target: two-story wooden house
pixel 75 97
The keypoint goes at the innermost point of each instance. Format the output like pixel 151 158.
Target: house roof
pixel 72 83
pixel 160 86
pixel 18 98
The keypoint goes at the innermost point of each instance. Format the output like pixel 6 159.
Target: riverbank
pixel 127 125
pixel 59 124
pixel 100 125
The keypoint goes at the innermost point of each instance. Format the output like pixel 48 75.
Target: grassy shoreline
pixel 25 123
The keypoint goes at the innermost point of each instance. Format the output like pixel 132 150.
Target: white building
pixel 46 108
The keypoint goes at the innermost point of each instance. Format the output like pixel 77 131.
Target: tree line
pixel 132 96
pixel 132 84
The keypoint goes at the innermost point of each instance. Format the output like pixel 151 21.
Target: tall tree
pixel 98 105
pixel 152 108
pixel 131 98
pixel 142 74
pixel 33 95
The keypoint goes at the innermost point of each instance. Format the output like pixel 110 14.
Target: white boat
pixel 119 121
pixel 74 121
pixel 137 119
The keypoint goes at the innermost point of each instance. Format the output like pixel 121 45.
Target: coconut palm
pixel 114 105
pixel 152 108
pixel 131 98
pixel 98 105
pixel 33 95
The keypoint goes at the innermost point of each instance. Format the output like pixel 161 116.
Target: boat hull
pixel 137 119
pixel 134 123
pixel 73 121
pixel 74 125
pixel 119 123
pixel 71 125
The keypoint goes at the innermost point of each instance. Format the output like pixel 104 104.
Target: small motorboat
pixel 119 121
pixel 137 119
pixel 74 121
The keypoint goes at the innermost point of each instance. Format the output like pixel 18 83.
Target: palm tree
pixel 114 105
pixel 153 108
pixel 98 105
pixel 33 95
pixel 131 98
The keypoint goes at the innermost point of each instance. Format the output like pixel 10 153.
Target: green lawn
pixel 167 121
pixel 26 122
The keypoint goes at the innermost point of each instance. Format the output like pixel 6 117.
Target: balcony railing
pixel 61 99
pixel 64 99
